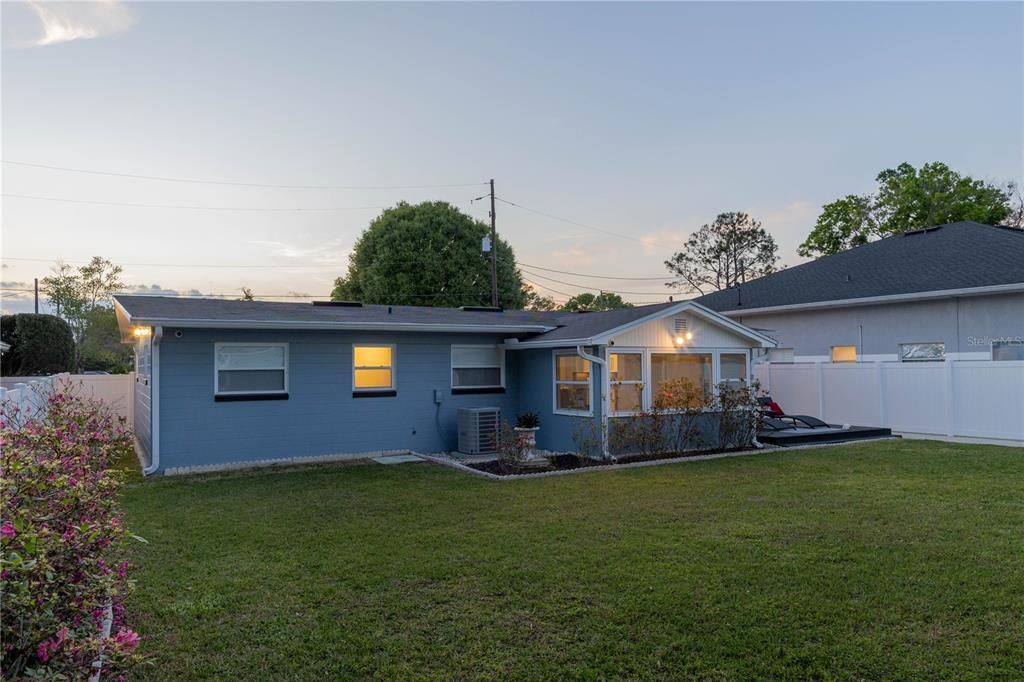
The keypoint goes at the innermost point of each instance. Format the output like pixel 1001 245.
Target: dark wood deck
pixel 790 437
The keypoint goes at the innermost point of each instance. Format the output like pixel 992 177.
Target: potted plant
pixel 527 426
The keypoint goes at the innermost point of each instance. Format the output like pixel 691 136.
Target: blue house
pixel 221 383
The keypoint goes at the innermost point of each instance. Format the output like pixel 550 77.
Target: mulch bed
pixel 569 462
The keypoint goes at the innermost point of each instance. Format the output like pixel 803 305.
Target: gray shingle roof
pixel 954 256
pixel 557 325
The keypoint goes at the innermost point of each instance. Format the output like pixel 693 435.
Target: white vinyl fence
pixel 30 393
pixel 953 399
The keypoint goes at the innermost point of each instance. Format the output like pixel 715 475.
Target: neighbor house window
pixel 625 374
pixel 672 368
pixel 733 369
pixel 1008 350
pixel 478 367
pixel 251 368
pixel 922 352
pixel 373 368
pixel 572 384
pixel 844 353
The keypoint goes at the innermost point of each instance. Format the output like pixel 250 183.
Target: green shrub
pixel 40 345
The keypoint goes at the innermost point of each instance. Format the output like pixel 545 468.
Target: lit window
pixel 1008 350
pixel 251 368
pixel 922 352
pixel 844 353
pixel 733 368
pixel 572 384
pixel 625 374
pixel 478 367
pixel 373 368
pixel 680 370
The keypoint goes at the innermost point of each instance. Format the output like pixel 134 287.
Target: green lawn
pixel 886 560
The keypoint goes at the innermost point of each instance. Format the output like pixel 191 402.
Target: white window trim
pixel 643 382
pixel 216 376
pixel 451 361
pixel 716 368
pixel 555 381
pixel 393 367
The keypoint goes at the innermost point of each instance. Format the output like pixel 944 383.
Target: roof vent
pixel 923 230
pixel 340 304
pixel 680 325
pixel 482 309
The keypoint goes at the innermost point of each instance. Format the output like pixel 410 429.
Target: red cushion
pixel 774 408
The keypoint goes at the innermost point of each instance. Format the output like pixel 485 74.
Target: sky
pixel 618 129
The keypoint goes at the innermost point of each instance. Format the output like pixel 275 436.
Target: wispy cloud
pixel 62 22
pixel 670 238
pixel 331 252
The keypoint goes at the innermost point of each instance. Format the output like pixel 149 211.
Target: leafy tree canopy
pixel 428 254
pixel 908 198
pixel 538 301
pixel 731 250
pixel 74 293
pixel 589 302
pixel 101 347
pixel 40 345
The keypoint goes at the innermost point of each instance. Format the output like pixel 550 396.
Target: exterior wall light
pixel 142 331
pixel 689 336
pixel 680 340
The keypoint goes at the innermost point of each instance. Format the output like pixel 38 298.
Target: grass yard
pixel 886 560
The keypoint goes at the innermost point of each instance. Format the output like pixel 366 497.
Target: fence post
pixel 880 374
pixel 821 390
pixel 950 399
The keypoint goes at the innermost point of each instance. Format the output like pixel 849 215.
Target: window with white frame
pixel 625 376
pixel 922 352
pixel 1008 350
pixel 373 367
pixel 844 354
pixel 251 368
pixel 572 383
pixel 692 369
pixel 478 367
pixel 732 369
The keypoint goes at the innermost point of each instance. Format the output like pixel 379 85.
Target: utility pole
pixel 494 253
pixel 37 295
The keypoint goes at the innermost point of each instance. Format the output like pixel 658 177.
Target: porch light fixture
pixel 142 331
pixel 680 340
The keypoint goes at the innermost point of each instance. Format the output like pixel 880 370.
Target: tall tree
pixel 731 250
pixel 908 198
pixel 587 302
pixel 101 347
pixel 76 294
pixel 428 254
pixel 537 301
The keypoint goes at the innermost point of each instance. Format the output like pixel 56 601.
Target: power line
pixel 580 274
pixel 171 265
pixel 566 220
pixel 162 178
pixel 590 288
pixel 194 208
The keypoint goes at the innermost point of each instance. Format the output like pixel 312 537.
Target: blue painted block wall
pixel 320 416
pixel 558 433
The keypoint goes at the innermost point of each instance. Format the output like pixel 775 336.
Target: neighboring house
pixel 221 382
pixel 947 292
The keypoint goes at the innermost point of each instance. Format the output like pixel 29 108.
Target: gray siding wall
pixel 320 416
pixel 963 324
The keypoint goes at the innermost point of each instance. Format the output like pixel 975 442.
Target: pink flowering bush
pixel 62 572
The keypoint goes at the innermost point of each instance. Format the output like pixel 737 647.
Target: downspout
pixel 154 405
pixel 604 378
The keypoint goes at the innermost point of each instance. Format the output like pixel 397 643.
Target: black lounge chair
pixel 772 410
pixel 773 424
